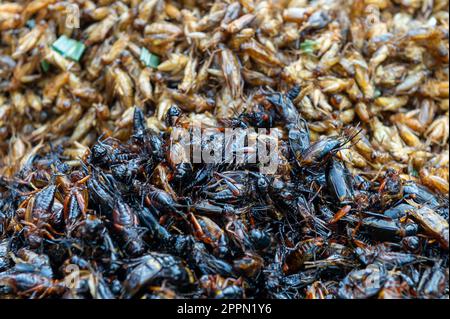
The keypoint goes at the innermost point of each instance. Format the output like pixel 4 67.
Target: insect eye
pixel 262 184
pixel 411 229
pixel 173 111
pixel 98 151
pixel 119 171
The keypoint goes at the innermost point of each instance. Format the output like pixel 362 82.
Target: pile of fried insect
pixel 135 225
